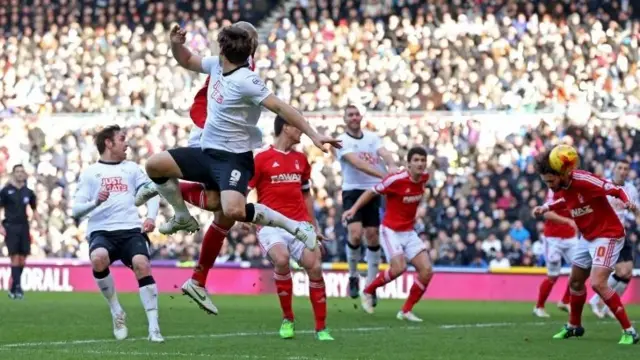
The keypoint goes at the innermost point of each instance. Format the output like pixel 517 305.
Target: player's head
pixel 236 44
pixel 111 143
pixel 352 118
pixel 282 128
pixel 621 171
pixel 554 179
pixel 18 173
pixel 417 160
pixel 248 27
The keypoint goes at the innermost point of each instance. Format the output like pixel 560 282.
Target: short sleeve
pixel 387 185
pixel 141 177
pixel 377 142
pixel 32 200
pixel 306 176
pixel 84 192
pixel 254 89
pixel 209 63
pixel 347 148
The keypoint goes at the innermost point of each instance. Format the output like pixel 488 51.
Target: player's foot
pixel 409 316
pixel 287 329
pixel 564 307
pixel 120 330
pixel 629 337
pixel 306 233
pixel 12 295
pixel 174 225
pixel 595 308
pixel 323 335
pixel 367 302
pixel 19 295
pixel 155 336
pixel 374 299
pixel 147 192
pixel 200 296
pixel 569 331
pixel 539 312
pixel 354 287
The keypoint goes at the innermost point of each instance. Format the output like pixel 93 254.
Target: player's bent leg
pixel 373 256
pixel 311 261
pixel 425 273
pixel 397 265
pixel 354 254
pixel 577 279
pixel 278 254
pixel 148 294
pixel 100 263
pixel 543 294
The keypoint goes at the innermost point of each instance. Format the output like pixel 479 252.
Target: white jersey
pixel 122 180
pixel 233 108
pixel 618 205
pixel 195 137
pixel 366 148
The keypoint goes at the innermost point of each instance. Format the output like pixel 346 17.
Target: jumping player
pixel 106 193
pixel 403 190
pixel 361 161
pixel 560 240
pixel 281 181
pixel 620 279
pixel 585 195
pixel 225 161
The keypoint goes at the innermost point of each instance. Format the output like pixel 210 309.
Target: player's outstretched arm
pixel 553 216
pixel 388 159
pixel 363 166
pixel 294 118
pixel 181 53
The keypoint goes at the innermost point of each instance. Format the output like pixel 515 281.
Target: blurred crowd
pixel 81 56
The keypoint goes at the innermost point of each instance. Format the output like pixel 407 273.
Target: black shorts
pixel 217 169
pixel 122 245
pixel 626 254
pixel 368 215
pixel 18 239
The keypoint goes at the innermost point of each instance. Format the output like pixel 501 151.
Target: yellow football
pixel 564 159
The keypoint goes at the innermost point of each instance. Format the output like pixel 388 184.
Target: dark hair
pixel 236 44
pixel 16 166
pixel 103 135
pixel 543 166
pixel 278 125
pixel 351 106
pixel 416 150
pixel 623 161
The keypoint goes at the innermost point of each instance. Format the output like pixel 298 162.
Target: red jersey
pixel 586 200
pixel 403 197
pixel 554 229
pixel 198 110
pixel 280 179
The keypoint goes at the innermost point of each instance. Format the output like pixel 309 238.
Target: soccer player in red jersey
pixel 282 182
pixel 560 240
pixel 404 190
pixel 585 196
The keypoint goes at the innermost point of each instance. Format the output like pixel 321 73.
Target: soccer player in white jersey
pixel 623 273
pixel 361 160
pixel 106 193
pixel 225 161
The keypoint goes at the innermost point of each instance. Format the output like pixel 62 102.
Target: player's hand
pixel 148 225
pixel 3 232
pixel 320 140
pixel 178 35
pixel 631 206
pixel 348 214
pixel 103 195
pixel 540 210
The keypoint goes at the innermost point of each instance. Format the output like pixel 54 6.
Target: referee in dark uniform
pixel 14 199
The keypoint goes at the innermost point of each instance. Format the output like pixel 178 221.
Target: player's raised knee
pixel 100 259
pixel 625 272
pixel 141 265
pixel 398 265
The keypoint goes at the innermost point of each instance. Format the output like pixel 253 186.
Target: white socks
pixel 268 217
pixel 373 262
pixel 108 289
pixel 149 299
pixel 353 258
pixel 170 190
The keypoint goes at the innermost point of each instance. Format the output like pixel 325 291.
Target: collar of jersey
pixel 236 69
pixel 109 162
pixel 354 137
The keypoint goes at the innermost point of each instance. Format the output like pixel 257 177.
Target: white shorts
pixel 600 252
pixel 395 243
pixel 269 236
pixel 556 249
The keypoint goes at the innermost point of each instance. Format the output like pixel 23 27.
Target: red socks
pixel 566 298
pixel 415 294
pixel 284 287
pixel 544 291
pixel 382 279
pixel 577 304
pixel 612 299
pixel 318 299
pixel 211 245
pixel 194 193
